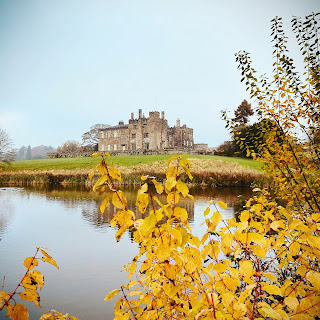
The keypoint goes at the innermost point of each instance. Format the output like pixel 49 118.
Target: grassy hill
pixel 126 161
pixel 206 170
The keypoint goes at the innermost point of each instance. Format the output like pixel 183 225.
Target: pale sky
pixel 67 65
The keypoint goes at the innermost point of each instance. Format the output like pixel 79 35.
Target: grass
pixel 207 170
pixel 123 161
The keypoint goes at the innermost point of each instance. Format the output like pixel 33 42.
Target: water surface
pixel 82 242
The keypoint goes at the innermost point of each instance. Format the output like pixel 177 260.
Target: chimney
pixel 178 123
pixel 140 113
pixel 132 115
pixel 162 115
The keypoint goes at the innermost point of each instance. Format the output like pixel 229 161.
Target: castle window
pixel 102 135
pixel 146 135
pixel 146 146
pixel 115 134
pixel 114 147
pixel 102 147
pixel 145 125
pixel 108 147
pixel 134 126
pixel 133 135
pixel 133 146
pixel 123 148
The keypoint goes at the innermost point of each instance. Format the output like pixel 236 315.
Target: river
pixel 68 222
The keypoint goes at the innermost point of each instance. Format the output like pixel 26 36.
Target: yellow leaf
pixel 37 277
pixel 294 248
pixel 267 311
pixel 181 213
pixel 216 218
pixel 227 298
pixel 96 154
pixel 246 267
pixel 51 261
pixel 158 186
pixel 142 202
pixel 244 216
pixel 163 252
pixel 291 302
pixel 257 238
pixel 220 267
pixel 119 200
pixel 170 290
pixel 131 284
pixel 31 296
pixel 204 238
pixel 272 289
pixel 275 225
pixel 227 239
pixel 101 182
pixel 170 183
pixel 314 278
pixel 30 263
pixel 45 254
pixel 185 164
pixel 135 293
pixel 173 198
pixel 182 187
pixel 17 312
pixel 169 271
pixel 101 167
pixel 159 214
pixel 143 188
pixel 3 296
pixel 105 203
pixel 222 204
pixel 91 174
pixel 206 212
pixel 172 172
pixel 148 223
pixel 115 173
pixel 175 233
pixel 29 284
pixel 111 294
pixel 302 270
pixel 195 241
pixel 144 177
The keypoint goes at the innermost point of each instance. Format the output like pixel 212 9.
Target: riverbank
pixel 206 170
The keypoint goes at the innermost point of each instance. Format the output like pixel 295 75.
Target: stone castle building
pixel 151 133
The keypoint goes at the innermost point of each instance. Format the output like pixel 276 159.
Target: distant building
pixel 151 133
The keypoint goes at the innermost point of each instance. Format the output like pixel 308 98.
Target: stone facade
pixel 151 133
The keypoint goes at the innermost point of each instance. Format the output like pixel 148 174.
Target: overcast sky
pixel 67 65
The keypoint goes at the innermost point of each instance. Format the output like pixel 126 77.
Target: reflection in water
pixel 7 210
pixel 89 201
pixel 67 220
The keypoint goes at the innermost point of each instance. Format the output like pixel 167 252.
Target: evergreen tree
pixel 28 153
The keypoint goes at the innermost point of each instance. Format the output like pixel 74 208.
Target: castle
pixel 151 133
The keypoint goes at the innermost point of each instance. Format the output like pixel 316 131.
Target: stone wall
pixel 129 152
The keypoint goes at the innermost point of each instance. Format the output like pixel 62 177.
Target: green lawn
pixel 87 163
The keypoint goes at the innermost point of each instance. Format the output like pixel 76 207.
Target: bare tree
pixel 91 138
pixel 69 146
pixel 7 153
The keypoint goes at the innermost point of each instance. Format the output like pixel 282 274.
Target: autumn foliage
pixel 27 288
pixel 262 264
